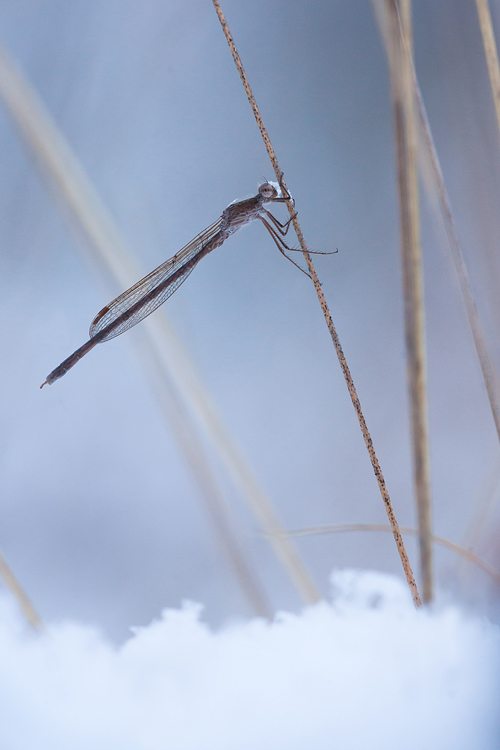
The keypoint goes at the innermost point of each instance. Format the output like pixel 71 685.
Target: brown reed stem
pixel 401 68
pixel 326 312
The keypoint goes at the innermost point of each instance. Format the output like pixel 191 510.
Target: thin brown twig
pixel 401 69
pixel 340 528
pixel 326 312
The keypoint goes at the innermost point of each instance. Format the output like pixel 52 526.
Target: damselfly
pixel 149 293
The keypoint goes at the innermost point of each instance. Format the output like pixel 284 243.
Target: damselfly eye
pixel 267 190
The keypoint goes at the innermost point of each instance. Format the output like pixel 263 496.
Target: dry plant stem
pixel 485 360
pixel 26 606
pixel 429 149
pixel 165 350
pixel 407 178
pixel 491 53
pixel 341 528
pixel 437 186
pixel 326 312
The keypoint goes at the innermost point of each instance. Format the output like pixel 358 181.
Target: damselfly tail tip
pixel 45 382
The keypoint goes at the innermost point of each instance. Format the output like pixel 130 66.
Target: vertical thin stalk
pixel 491 53
pixel 401 67
pixel 488 369
pixel 436 188
pixel 326 312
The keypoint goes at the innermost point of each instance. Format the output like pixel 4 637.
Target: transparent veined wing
pixel 149 293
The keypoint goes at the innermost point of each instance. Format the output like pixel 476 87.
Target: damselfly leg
pixel 280 243
pixel 282 228
pixel 279 230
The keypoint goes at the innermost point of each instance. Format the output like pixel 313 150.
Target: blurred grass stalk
pixel 166 357
pixel 26 606
pixel 465 554
pixel 434 183
pixel 221 519
pixel 326 312
pixel 491 53
pixel 405 125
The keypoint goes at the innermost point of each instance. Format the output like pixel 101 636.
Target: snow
pixel 365 670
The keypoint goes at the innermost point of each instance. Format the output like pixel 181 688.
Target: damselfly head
pixel 269 190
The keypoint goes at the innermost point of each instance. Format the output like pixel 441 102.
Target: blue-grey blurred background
pixel 100 518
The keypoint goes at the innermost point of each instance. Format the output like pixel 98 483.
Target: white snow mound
pixel 366 671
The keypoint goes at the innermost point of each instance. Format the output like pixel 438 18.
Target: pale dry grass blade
pixel 351 527
pixel 326 312
pixel 488 369
pixel 401 69
pixel 171 360
pixel 224 528
pixel 26 606
pixel 491 53
pixel 434 184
